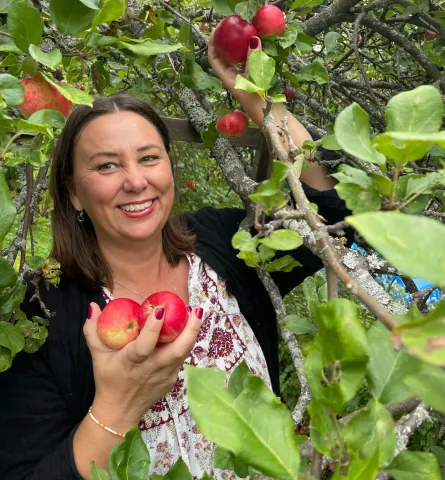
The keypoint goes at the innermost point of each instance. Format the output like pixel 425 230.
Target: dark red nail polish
pixel 159 314
pixel 199 312
pixel 90 311
pixel 254 42
pixel 189 309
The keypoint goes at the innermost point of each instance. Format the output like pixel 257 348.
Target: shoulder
pixel 208 219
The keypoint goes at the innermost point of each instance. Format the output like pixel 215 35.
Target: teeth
pixel 136 207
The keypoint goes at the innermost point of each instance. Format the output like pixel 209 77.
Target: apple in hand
pixel 118 323
pixel 39 95
pixel 232 37
pixel 269 20
pixel 175 318
pixel 232 124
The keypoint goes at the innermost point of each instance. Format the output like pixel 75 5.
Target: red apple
pixel 204 27
pixel 269 20
pixel 289 93
pixel 118 323
pixel 232 37
pixel 39 95
pixel 190 185
pixel 430 35
pixel 175 318
pixel 82 87
pixel 232 124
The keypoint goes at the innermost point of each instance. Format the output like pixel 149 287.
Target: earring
pixel 80 217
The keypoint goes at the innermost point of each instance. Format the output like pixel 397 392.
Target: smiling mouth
pixel 136 207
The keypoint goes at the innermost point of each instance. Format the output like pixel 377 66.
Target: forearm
pixel 316 176
pixel 92 442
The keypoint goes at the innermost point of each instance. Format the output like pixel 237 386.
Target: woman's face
pixel 122 178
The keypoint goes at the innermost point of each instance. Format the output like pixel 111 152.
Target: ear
pixel 73 197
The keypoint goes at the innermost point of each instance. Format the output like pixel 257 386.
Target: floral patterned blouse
pixel 225 339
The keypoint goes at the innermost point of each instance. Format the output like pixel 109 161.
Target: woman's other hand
pixel 129 381
pixel 227 72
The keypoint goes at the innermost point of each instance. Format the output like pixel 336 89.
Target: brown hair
pixel 74 244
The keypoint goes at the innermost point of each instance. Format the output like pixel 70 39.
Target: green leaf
pixel 353 134
pixel 246 10
pixel 97 473
pixel 330 142
pixel 178 471
pixel 403 240
pixel 238 378
pixel 25 24
pixel 5 5
pixel 51 118
pixel 50 59
pixel 381 183
pixel 324 431
pixel 314 72
pixel 194 76
pixel 289 37
pixel 266 253
pixel 369 431
pixel 111 10
pixel 12 297
pixel 255 426
pixel 415 465
pixel 425 339
pixel 8 276
pixel 420 111
pixel 243 84
pixel 11 343
pixel 387 368
pixel 130 460
pixel 400 151
pixel 33 332
pixel 283 240
pixel 357 198
pixel 94 4
pixel 224 7
pixel 348 174
pixel 71 93
pixel 8 210
pixel 330 43
pixel 283 264
pixel 261 69
pixel 299 325
pixel 71 16
pixel 252 259
pixel 429 385
pixel 148 47
pixel 339 319
pixel 12 90
pixel 225 460
pixel 244 241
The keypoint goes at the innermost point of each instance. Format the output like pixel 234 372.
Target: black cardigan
pixel 45 395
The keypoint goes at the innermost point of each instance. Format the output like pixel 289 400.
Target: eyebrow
pixel 114 154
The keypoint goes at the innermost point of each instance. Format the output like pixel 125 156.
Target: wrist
pixel 115 417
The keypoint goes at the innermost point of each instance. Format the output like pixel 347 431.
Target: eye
pixel 106 166
pixel 149 158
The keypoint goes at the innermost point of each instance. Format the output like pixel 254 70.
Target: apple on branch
pixel 269 20
pixel 232 124
pixel 232 37
pixel 40 95
pixel 175 318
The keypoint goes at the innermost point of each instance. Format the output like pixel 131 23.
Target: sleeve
pixel 36 431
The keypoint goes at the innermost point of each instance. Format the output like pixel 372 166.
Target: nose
pixel 135 179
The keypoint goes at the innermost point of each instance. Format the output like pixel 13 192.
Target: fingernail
pixel 199 312
pixel 159 314
pixel 254 43
pixel 189 309
pixel 90 311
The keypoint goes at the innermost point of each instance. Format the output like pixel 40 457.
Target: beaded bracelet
pixel 108 429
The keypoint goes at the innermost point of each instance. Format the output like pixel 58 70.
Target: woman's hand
pixel 129 381
pixel 227 72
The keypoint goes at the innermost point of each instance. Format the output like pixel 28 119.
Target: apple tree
pixel 362 372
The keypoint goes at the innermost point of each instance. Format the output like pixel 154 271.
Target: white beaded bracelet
pixel 108 429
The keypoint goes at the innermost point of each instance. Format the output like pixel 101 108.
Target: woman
pixel 113 193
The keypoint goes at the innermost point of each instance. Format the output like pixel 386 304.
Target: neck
pixel 136 264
